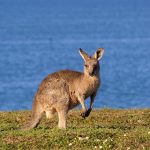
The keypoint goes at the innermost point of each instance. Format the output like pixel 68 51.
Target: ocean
pixel 38 37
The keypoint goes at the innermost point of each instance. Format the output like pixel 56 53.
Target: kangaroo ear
pixel 98 54
pixel 84 55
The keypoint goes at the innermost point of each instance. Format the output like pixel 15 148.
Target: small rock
pixel 105 141
pixel 70 144
pixel 97 140
pixel 80 138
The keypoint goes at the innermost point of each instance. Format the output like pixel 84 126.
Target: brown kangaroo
pixel 63 90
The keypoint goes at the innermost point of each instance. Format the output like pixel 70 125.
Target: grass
pixel 103 129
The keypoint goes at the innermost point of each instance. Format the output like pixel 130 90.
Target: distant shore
pixel 103 129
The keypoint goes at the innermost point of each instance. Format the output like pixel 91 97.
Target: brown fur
pixel 61 91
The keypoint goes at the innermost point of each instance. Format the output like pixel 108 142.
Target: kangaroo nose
pixel 92 73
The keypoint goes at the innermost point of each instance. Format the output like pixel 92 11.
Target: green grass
pixel 103 129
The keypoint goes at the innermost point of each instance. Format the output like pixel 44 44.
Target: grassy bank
pixel 104 129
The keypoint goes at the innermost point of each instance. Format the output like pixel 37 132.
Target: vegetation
pixel 103 129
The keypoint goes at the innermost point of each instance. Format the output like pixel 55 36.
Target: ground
pixel 106 129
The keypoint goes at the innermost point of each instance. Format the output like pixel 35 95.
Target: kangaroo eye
pixel 86 65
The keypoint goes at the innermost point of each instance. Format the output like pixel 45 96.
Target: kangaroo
pixel 63 90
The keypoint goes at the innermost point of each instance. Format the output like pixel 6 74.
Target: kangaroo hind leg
pixel 62 116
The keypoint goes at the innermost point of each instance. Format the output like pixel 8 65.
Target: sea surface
pixel 38 37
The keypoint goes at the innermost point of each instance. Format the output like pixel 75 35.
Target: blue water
pixel 38 37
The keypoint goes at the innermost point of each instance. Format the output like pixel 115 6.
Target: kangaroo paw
pixel 86 114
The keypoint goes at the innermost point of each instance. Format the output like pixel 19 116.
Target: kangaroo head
pixel 91 66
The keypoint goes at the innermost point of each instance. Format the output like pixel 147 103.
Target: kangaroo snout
pixel 94 71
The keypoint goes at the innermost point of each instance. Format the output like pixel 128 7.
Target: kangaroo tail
pixel 37 113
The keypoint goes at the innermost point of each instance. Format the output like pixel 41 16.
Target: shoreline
pixel 78 109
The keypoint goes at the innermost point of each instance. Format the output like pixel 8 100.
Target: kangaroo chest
pixel 85 88
pixel 91 87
